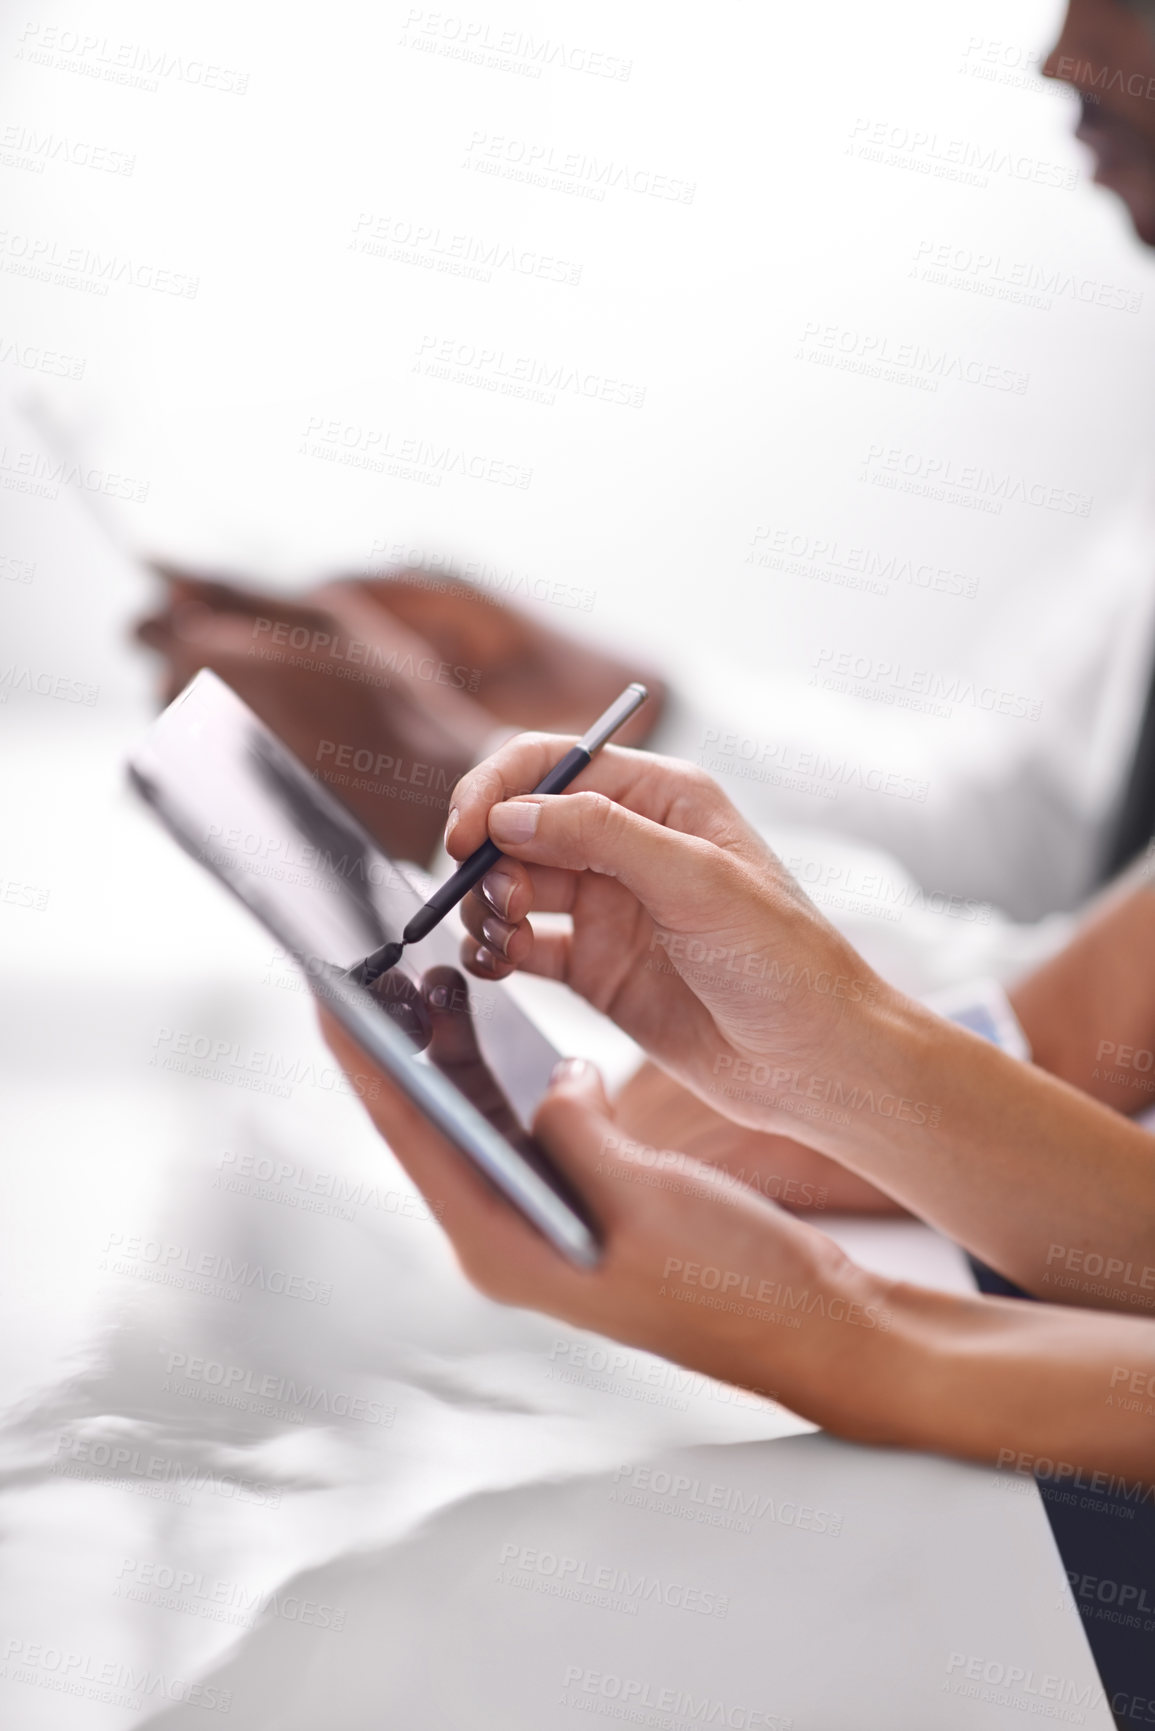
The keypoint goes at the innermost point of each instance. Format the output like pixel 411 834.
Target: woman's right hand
pixel 685 930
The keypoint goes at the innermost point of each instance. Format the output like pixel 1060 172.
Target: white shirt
pixel 946 852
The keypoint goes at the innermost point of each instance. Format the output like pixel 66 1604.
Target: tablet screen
pixel 247 809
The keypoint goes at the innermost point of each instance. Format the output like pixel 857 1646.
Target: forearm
pixel 661 1113
pixel 1025 1386
pixel 1089 1012
pixel 1048 1186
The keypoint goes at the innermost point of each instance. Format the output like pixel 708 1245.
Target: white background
pixel 203 404
pixel 256 195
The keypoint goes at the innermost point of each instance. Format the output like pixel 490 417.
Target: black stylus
pixel 472 870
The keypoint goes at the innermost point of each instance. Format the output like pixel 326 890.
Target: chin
pixel 1130 177
pixel 1143 223
pixel 1136 193
pixel 1142 214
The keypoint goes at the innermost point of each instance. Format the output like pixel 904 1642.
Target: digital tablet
pixel 463 1051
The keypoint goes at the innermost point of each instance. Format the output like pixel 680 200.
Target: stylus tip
pixel 377 964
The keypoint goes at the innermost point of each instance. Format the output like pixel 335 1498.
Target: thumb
pixel 575 1125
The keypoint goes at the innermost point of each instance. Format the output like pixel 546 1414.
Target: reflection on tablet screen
pixel 243 805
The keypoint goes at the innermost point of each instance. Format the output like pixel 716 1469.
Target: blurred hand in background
pixel 389 688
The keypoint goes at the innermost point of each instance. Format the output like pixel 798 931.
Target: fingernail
pixel 515 820
pixel 497 887
pixel 497 937
pixel 486 960
pixel 451 823
pixel 569 1070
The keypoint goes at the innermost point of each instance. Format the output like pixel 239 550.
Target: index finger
pixel 663 789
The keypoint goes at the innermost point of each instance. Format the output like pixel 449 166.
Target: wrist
pixel 873 1085
pixel 845 1354
pixel 900 1393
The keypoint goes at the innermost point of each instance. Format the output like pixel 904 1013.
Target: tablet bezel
pixel 543 1197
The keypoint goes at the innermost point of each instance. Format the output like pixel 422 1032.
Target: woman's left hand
pixel 696 1266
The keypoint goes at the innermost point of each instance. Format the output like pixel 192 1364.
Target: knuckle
pixel 482 786
pixel 595 813
pixel 517 754
pixel 699 786
pixel 706 788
